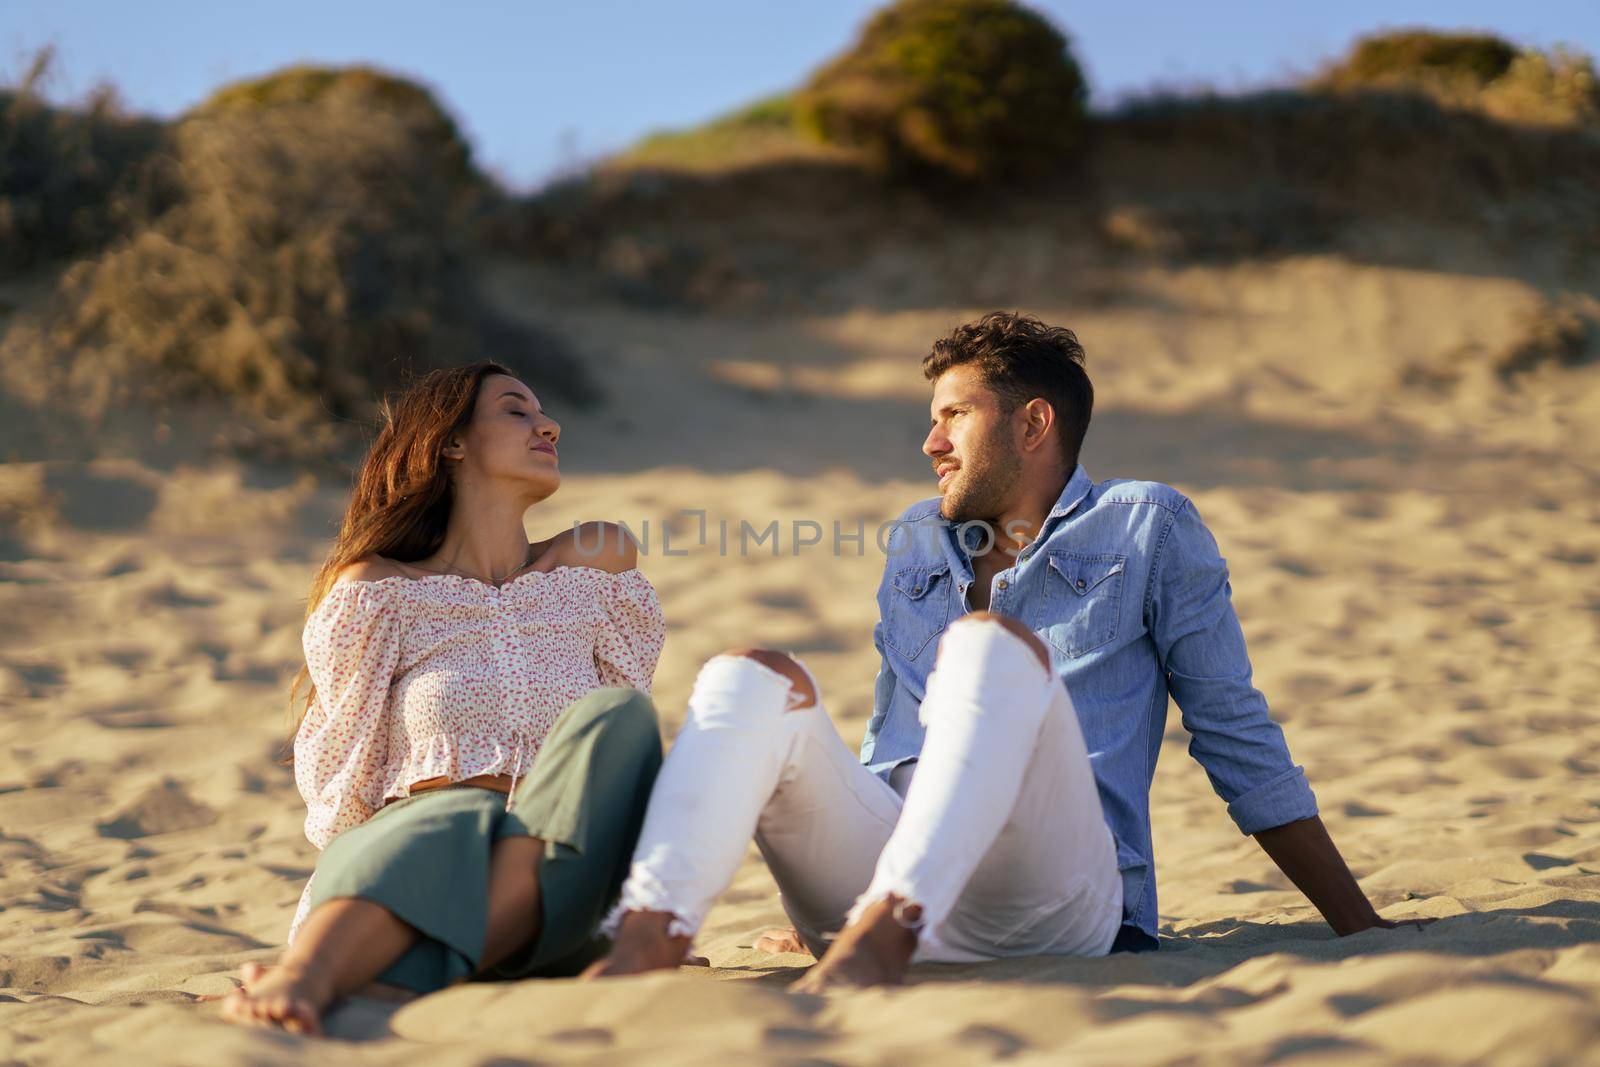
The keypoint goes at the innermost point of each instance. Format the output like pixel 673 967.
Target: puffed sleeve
pixel 352 646
pixel 631 631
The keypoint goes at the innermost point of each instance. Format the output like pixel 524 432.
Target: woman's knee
pixel 618 707
pixel 624 718
pixel 803 692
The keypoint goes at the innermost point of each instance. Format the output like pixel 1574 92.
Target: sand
pixel 1414 567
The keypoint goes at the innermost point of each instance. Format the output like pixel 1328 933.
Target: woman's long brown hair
pixel 401 503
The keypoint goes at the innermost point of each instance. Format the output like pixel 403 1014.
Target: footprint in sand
pixel 113 498
pixel 131 719
pixel 780 600
pixel 161 809
pixel 1357 810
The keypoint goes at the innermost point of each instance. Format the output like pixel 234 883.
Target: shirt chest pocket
pixel 1083 598
pixel 918 608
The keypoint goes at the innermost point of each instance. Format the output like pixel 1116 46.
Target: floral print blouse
pixel 450 677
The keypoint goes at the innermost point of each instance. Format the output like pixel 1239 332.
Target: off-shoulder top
pixel 450 677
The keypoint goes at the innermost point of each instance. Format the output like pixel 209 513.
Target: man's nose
pixel 935 444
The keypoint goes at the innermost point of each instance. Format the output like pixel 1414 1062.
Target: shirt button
pixel 1080 583
pixel 1002 583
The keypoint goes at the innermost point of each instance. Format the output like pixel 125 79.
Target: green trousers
pixel 426 858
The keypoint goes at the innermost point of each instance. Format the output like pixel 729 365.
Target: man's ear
pixel 1038 422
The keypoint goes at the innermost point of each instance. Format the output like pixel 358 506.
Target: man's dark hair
pixel 1021 358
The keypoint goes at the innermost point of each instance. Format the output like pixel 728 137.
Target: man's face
pixel 971 446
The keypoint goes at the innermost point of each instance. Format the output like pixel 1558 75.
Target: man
pixel 1032 626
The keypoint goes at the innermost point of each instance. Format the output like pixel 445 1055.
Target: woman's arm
pixel 352 646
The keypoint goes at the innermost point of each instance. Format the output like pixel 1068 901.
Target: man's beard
pixel 985 483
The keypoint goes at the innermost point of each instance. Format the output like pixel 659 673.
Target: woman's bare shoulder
pixel 371 569
pixel 602 545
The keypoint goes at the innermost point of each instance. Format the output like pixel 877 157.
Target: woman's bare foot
pixel 873 950
pixel 285 996
pixel 782 941
pixel 642 944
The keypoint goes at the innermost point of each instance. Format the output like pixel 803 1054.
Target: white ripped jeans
pixel 998 835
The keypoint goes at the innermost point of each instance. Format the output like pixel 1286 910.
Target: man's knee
pixel 805 695
pixel 1027 636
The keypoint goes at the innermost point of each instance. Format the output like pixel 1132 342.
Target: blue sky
pixel 545 84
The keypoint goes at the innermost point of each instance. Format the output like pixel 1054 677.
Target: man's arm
pixel 1304 851
pixel 1202 650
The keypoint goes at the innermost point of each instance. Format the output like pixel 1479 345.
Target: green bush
pixel 1477 71
pixel 1424 56
pixel 977 90
pixel 360 90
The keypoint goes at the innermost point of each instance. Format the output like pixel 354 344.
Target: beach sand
pixel 1414 566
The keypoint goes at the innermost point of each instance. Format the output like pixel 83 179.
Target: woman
pixel 477 747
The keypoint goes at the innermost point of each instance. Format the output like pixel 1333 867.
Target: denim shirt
pixel 1125 585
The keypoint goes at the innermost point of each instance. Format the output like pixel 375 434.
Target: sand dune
pixel 1414 566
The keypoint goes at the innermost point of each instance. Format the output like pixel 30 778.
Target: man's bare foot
pixel 782 941
pixel 873 950
pixel 285 996
pixel 642 944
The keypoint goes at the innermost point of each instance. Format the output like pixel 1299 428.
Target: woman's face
pixel 510 440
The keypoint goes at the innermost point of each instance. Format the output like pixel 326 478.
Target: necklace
pixel 527 561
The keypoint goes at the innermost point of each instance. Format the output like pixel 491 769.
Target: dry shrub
pixel 1255 221
pixel 975 90
pixel 1367 156
pixel 1553 88
pixel 1556 332
pixel 351 89
pixel 59 168
pixel 310 258
pixel 1477 71
pixel 682 238
pixel 1552 332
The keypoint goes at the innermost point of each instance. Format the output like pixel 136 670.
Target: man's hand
pixel 782 941
pixel 1304 851
pixel 1380 923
